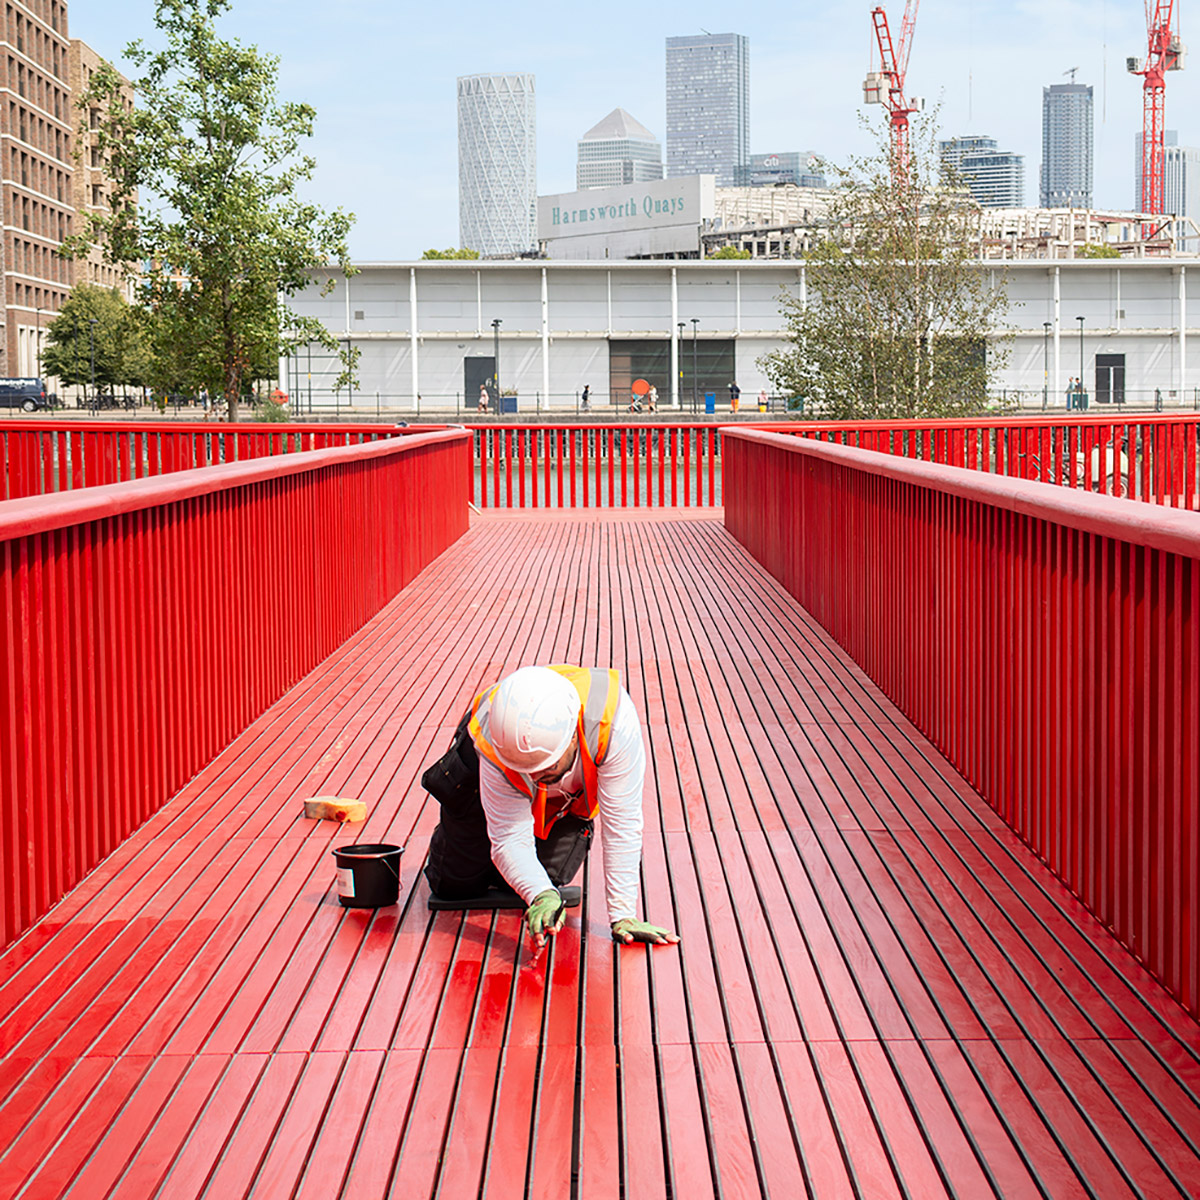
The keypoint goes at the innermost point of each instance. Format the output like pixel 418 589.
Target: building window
pixel 651 360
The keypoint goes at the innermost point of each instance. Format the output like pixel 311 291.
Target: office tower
pixel 35 177
pixel 497 164
pixel 1181 190
pixel 1066 146
pixel 995 177
pixel 617 150
pixel 801 168
pixel 91 186
pixel 1181 194
pixel 708 106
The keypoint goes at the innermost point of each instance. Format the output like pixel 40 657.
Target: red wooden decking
pixel 879 993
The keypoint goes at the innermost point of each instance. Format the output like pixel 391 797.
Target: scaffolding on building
pixel 1067 233
pixel 787 226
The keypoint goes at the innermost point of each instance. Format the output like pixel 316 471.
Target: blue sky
pixel 382 78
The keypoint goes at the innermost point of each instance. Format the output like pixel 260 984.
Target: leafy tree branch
pixel 207 166
pixel 899 320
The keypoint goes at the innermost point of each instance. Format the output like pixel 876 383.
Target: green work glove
pixel 545 915
pixel 629 929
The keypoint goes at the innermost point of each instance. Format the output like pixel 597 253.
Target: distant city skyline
pixel 708 106
pixel 995 177
pixel 1068 146
pixel 385 95
pixel 497 163
pixel 1181 182
pixel 618 149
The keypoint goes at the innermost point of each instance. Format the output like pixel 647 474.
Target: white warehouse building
pixel 430 329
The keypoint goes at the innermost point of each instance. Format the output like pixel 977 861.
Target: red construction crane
pixel 886 86
pixel 1165 52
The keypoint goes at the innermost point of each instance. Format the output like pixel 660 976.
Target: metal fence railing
pixel 655 463
pixel 1046 643
pixel 39 457
pixel 149 623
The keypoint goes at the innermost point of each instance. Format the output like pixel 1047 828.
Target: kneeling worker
pixel 534 761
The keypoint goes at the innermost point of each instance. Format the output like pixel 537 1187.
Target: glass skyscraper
pixel 708 106
pixel 995 177
pixel 803 168
pixel 618 150
pixel 497 164
pixel 1066 146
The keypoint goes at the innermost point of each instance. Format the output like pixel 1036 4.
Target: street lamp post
pixel 679 383
pixel 695 374
pixel 92 340
pixel 1045 364
pixel 1080 394
pixel 496 360
pixel 337 396
pixel 37 347
pixel 75 343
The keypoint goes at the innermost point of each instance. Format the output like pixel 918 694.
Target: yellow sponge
pixel 335 808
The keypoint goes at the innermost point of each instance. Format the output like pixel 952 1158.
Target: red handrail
pixel 1047 641
pixel 39 457
pixel 1153 457
pixel 147 623
pixel 1148 457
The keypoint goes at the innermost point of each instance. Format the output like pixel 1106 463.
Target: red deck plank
pixel 151 1160
pixel 373 1162
pixel 464 1162
pixel 879 993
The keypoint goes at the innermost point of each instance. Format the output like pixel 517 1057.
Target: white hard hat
pixel 533 718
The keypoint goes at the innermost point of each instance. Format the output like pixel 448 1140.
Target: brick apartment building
pixel 36 169
pixel 91 186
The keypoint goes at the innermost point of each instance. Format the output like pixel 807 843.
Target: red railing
pixel 627 465
pixel 597 466
pixel 39 457
pixel 146 624
pixel 1047 642
pixel 1151 458
pixel 679 465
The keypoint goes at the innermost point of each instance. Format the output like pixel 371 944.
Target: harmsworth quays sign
pixel 685 201
pixel 650 207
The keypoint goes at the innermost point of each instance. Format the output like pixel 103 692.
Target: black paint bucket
pixel 368 875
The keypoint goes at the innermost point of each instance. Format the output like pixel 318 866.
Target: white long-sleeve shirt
pixel 621 777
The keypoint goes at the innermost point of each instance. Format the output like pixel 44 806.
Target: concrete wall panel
pixel 1129 308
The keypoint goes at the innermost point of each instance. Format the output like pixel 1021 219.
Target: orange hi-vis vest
pixel 599 693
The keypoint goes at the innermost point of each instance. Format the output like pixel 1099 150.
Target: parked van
pixel 29 394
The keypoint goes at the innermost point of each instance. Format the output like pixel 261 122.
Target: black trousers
pixel 460 855
pixel 460 863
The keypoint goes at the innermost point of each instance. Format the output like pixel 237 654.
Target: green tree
pixel 451 253
pixel 899 320
pixel 207 168
pixel 730 252
pixel 1097 250
pixel 96 328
